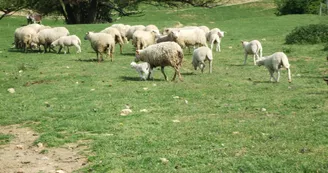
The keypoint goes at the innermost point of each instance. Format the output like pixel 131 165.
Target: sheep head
pixel 137 57
pixel 87 35
pixel 133 64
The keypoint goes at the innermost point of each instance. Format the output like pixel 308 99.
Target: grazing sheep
pixel 71 40
pixel 162 54
pixel 142 39
pixel 46 36
pixel 101 42
pixel 201 55
pixel 115 33
pixel 214 37
pixel 142 68
pixel 132 29
pixel 24 37
pixel 169 37
pixel 252 48
pixel 20 32
pixel 152 28
pixel 273 63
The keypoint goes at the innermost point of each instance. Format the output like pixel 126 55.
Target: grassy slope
pixel 221 128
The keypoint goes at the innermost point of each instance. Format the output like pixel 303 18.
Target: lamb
pixel 71 40
pixel 46 36
pixel 142 69
pixel 162 54
pixel 252 48
pixel 115 33
pixel 101 43
pixel 142 39
pixel 214 37
pixel 273 63
pixel 201 55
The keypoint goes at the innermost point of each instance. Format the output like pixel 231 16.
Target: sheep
pixel 201 55
pixel 24 37
pixel 170 37
pixel 253 48
pixel 190 37
pixel 71 40
pixel 123 30
pixel 21 31
pixel 132 29
pixel 101 42
pixel 142 39
pixel 273 63
pixel 115 33
pixel 141 68
pixel 162 54
pixel 214 37
pixel 152 28
pixel 46 36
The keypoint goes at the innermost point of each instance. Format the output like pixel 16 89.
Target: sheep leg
pixel 210 64
pixel 162 69
pixel 77 47
pixel 254 58
pixel 60 48
pixel 177 71
pixel 67 49
pixel 218 47
pixel 245 59
pixel 271 76
pixel 202 66
pixel 121 48
pixel 278 75
pixel 289 76
pixel 150 73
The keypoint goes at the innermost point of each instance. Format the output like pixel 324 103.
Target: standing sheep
pixel 71 40
pixel 46 36
pixel 201 55
pixel 214 37
pixel 162 54
pixel 252 48
pixel 123 30
pixel 132 29
pixel 142 39
pixel 273 63
pixel 191 37
pixel 115 33
pixel 101 42
pixel 142 68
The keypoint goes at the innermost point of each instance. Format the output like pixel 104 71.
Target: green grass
pixel 222 128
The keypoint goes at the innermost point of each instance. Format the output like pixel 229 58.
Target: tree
pixel 298 6
pixel 92 11
pixel 7 7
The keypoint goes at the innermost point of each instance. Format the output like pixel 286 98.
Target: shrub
pixel 310 34
pixel 297 6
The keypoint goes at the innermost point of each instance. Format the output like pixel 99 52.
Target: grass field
pixel 223 128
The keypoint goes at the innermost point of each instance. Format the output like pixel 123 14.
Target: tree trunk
pixel 92 12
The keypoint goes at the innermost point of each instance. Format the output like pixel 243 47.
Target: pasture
pixel 233 120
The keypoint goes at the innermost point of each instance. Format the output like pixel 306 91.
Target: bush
pixel 310 34
pixel 297 6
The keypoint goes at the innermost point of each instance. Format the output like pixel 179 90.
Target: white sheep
pixel 201 55
pixel 46 36
pixel 162 54
pixel 66 41
pixel 152 28
pixel 252 48
pixel 142 39
pixel 214 37
pixel 190 37
pixel 21 32
pixel 123 30
pixel 101 43
pixel 273 63
pixel 115 33
pixel 142 68
pixel 24 37
pixel 132 29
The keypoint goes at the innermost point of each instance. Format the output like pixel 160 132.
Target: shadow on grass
pixel 188 73
pixel 128 54
pixel 259 82
pixel 88 60
pixel 129 78
pixel 21 50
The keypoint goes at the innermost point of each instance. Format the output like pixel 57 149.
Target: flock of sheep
pixel 153 48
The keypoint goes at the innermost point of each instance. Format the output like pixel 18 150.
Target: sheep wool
pixel 101 43
pixel 162 54
pixel 252 48
pixel 115 33
pixel 67 41
pixel 201 55
pixel 273 63
pixel 142 68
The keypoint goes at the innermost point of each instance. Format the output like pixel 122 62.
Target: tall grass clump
pixel 310 34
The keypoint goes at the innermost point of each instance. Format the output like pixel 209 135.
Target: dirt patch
pixel 21 156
